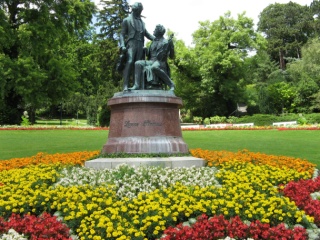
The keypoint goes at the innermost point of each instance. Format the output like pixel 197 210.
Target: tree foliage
pixel 52 58
pixel 37 65
pixel 306 76
pixel 287 28
pixel 219 55
pixel 110 18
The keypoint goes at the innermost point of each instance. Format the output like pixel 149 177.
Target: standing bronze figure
pixel 132 41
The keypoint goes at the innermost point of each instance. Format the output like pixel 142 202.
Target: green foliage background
pixel 54 60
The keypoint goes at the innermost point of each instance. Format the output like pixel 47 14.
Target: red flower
pixel 38 228
pixel 218 227
pixel 300 191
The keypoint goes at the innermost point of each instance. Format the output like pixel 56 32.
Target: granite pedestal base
pixel 170 162
pixel 145 121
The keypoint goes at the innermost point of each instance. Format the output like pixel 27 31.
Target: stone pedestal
pixel 145 121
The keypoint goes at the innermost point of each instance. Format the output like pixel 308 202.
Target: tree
pixel 315 11
pixel 110 18
pixel 258 69
pixel 306 76
pixel 281 96
pixel 186 76
pixel 221 49
pixel 37 66
pixel 287 28
pixel 96 59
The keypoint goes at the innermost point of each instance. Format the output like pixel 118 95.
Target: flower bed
pixel 243 197
pixel 299 128
pixel 218 227
pixel 44 127
pixel 42 227
pixel 217 158
pixel 248 127
pixel 228 128
pixel 191 128
pixel 76 158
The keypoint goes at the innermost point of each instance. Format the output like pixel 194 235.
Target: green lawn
pixel 302 143
pixel 25 143
pixel 64 122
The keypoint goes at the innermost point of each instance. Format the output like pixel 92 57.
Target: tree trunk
pixel 282 61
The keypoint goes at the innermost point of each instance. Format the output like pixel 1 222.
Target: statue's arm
pixel 149 36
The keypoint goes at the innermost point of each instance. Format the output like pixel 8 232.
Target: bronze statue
pixel 132 41
pixel 156 67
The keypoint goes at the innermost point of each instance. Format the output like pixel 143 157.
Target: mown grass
pixel 26 143
pixel 294 143
pixel 300 143
pixel 64 122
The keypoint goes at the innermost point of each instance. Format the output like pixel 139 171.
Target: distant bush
pixel 197 120
pixel 267 120
pixel 232 119
pixel 258 119
pixel 313 118
pixel 206 121
pixel 104 115
pixel 218 119
pixel 185 116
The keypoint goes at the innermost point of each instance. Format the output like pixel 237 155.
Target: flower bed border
pixel 201 128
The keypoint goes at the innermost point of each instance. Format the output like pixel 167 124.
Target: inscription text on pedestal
pixel 145 123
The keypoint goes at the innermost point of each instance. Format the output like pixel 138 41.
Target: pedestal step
pixel 171 162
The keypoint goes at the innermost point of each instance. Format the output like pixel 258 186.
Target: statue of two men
pixel 132 46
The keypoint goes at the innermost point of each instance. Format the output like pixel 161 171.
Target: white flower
pixel 13 235
pixel 129 181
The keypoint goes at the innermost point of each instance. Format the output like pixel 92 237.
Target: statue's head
pixel 137 8
pixel 159 31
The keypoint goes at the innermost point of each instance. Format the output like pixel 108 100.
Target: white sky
pixel 182 16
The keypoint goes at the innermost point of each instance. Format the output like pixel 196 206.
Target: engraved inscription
pixel 146 123
pixel 149 123
pixel 129 124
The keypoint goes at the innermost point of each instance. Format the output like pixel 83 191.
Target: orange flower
pixel 216 158
pixel 76 158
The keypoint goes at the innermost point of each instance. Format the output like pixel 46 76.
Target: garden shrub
pixel 218 119
pixel 206 121
pixel 258 119
pixel 91 116
pixel 186 116
pixel 267 119
pixel 302 121
pixel 197 120
pixel 313 118
pixel 104 116
pixel 232 119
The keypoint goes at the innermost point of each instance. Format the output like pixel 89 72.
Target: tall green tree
pixel 98 59
pixel 109 20
pixel 186 76
pixel 221 49
pixel 258 69
pixel 110 17
pixel 306 76
pixel 315 11
pixel 37 66
pixel 287 28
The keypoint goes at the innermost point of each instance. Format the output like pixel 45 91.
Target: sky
pixel 183 16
